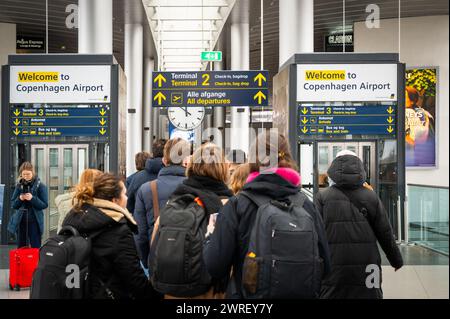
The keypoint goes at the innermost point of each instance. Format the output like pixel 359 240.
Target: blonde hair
pixel 209 160
pixel 239 177
pixel 175 151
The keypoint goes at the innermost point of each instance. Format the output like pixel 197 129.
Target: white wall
pixel 7 46
pixel 424 42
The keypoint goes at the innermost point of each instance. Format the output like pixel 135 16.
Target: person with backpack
pixel 30 199
pixel 269 236
pixel 178 267
pixel 100 214
pixel 355 220
pixel 143 174
pixel 152 196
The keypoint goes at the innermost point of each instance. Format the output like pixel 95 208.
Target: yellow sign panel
pixel 38 76
pixel 319 75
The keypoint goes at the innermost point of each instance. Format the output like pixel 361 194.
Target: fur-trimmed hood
pixel 113 210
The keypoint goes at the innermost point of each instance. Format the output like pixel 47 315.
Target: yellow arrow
pixel 16 131
pixel 305 120
pixel 16 122
pixel 160 79
pixel 102 131
pixel 390 120
pixel 390 129
pixel 260 78
pixel 305 111
pixel 102 122
pixel 260 96
pixel 160 97
pixel 305 130
pixel 390 110
pixel 102 112
pixel 16 112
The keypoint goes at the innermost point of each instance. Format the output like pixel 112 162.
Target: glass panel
pixel 81 161
pixel 306 164
pixel 353 149
pixel 40 164
pixel 53 187
pixel 428 217
pixel 336 150
pixel 323 159
pixel 68 169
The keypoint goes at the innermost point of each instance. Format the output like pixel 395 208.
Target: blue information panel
pixel 210 89
pixel 60 122
pixel 347 120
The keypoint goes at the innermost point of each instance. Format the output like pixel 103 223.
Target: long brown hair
pixel 266 144
pixel 209 160
pixel 105 186
pixel 239 177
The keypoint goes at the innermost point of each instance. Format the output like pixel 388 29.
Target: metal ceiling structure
pixel 182 29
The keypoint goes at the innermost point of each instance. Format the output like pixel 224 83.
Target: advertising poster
pixel 420 102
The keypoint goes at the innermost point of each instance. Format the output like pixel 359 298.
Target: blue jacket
pixel 38 203
pixel 152 168
pixel 168 180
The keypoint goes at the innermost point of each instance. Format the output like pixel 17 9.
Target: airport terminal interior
pixel 90 83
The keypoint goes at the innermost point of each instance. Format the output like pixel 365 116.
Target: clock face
pixel 186 118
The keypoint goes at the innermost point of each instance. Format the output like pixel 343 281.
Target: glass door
pixel 59 168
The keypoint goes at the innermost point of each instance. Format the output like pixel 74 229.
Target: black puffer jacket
pixel 351 236
pixel 114 259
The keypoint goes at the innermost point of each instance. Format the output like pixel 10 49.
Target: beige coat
pixel 64 204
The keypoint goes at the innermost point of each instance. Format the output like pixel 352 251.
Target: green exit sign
pixel 211 56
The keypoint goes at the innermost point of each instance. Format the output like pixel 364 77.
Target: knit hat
pixel 346 152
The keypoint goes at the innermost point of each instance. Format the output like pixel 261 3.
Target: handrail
pixel 428 186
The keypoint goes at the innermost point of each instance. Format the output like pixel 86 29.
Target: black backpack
pixel 283 255
pixel 63 259
pixel 177 264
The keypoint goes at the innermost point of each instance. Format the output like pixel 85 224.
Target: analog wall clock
pixel 186 118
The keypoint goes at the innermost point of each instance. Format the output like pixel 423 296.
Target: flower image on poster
pixel 420 114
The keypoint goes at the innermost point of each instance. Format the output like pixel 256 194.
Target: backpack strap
pixel 154 187
pixel 259 200
pixel 361 208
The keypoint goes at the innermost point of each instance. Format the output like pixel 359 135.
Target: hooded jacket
pixel 168 180
pixel 64 203
pixel 227 246
pixel 114 260
pixel 152 168
pixel 38 203
pixel 352 236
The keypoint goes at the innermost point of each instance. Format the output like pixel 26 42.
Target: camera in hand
pixel 25 186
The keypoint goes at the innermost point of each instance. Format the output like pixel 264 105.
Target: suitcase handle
pixel 69 229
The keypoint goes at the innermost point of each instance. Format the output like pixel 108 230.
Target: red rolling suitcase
pixel 22 263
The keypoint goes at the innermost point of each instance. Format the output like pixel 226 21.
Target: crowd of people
pixel 196 225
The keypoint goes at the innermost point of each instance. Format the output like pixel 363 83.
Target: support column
pixel 296 28
pixel 240 60
pixel 95 26
pixel 219 112
pixel 147 134
pixel 134 51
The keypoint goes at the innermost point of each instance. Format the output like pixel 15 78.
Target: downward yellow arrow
pixel 305 120
pixel 16 131
pixel 16 112
pixel 102 122
pixel 102 112
pixel 390 129
pixel 305 111
pixel 160 97
pixel 305 130
pixel 390 120
pixel 102 131
pixel 260 78
pixel 160 79
pixel 260 96
pixel 390 110
pixel 16 122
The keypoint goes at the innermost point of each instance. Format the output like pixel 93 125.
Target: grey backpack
pixel 283 259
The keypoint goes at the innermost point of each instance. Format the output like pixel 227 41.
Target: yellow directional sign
pixel 390 120
pixel 390 129
pixel 390 110
pixel 16 112
pixel 102 131
pixel 305 130
pixel 305 111
pixel 260 78
pixel 160 79
pixel 260 96
pixel 160 97
pixel 305 120
pixel 102 112
pixel 16 122
pixel 102 122
pixel 16 131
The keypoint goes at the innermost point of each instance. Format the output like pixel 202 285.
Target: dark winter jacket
pixel 114 259
pixel 168 180
pixel 228 245
pixel 38 203
pixel 351 236
pixel 150 173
